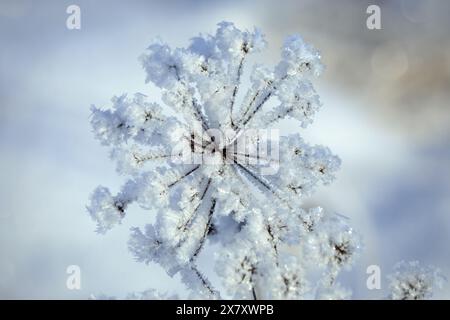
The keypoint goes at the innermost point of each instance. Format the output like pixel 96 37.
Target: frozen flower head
pixel 411 281
pixel 215 168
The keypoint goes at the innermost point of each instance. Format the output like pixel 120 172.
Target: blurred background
pixel 386 114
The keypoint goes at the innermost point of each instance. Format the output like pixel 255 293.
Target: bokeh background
pixel 386 114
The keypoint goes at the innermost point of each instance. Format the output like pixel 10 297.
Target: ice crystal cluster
pixel 410 281
pixel 267 244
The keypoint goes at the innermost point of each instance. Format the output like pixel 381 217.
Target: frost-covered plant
pixel 410 281
pixel 270 246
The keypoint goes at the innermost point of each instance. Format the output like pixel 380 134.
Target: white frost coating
pixel 252 217
pixel 107 210
pixel 411 281
pixel 299 58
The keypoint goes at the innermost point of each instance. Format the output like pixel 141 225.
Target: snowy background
pixel 386 114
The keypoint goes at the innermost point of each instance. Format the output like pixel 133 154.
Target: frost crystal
pixel 215 173
pixel 410 281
